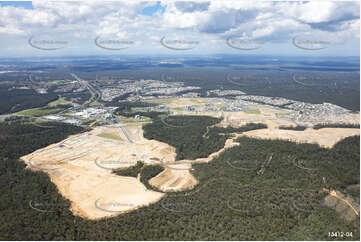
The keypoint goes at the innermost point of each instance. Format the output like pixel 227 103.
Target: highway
pixel 95 94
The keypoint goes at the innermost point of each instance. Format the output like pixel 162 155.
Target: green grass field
pixel 253 111
pixel 59 101
pixel 39 112
pixel 109 136
pixel 280 115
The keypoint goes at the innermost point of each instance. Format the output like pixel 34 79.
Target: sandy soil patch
pixel 175 177
pixel 229 143
pixel 81 167
pixel 274 118
pixel 267 116
pixel 183 102
pixel 326 137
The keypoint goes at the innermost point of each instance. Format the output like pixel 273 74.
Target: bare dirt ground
pixel 175 177
pixel 275 118
pixel 326 137
pixel 183 102
pixel 81 167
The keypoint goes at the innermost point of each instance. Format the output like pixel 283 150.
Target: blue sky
pixel 58 28
pixel 149 11
pixel 22 4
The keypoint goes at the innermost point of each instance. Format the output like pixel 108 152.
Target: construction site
pixel 82 165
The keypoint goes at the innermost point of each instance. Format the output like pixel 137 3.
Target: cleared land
pixel 183 102
pixel 109 136
pixel 326 137
pixel 81 165
pixel 175 177
pixel 81 168
pixel 39 112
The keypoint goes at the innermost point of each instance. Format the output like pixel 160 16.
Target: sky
pixel 65 28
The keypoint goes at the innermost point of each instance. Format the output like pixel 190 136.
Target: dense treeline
pixel 152 115
pixel 20 186
pixel 126 109
pixel 18 100
pixel 297 128
pixel 126 106
pixel 327 125
pixel 230 203
pixel 244 128
pixel 192 136
pixel 77 97
pixel 148 172
pixel 60 106
pixel 130 171
pixel 185 133
pixel 31 137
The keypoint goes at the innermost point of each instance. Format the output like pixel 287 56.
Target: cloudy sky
pixel 63 28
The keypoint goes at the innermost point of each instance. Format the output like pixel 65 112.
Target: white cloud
pixel 213 20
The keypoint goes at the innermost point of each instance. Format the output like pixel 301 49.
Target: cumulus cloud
pixel 214 20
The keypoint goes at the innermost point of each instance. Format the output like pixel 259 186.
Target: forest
pixel 233 201
pixel 327 125
pixel 17 100
pixel 132 171
pixel 125 109
pixel 297 128
pixel 185 133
